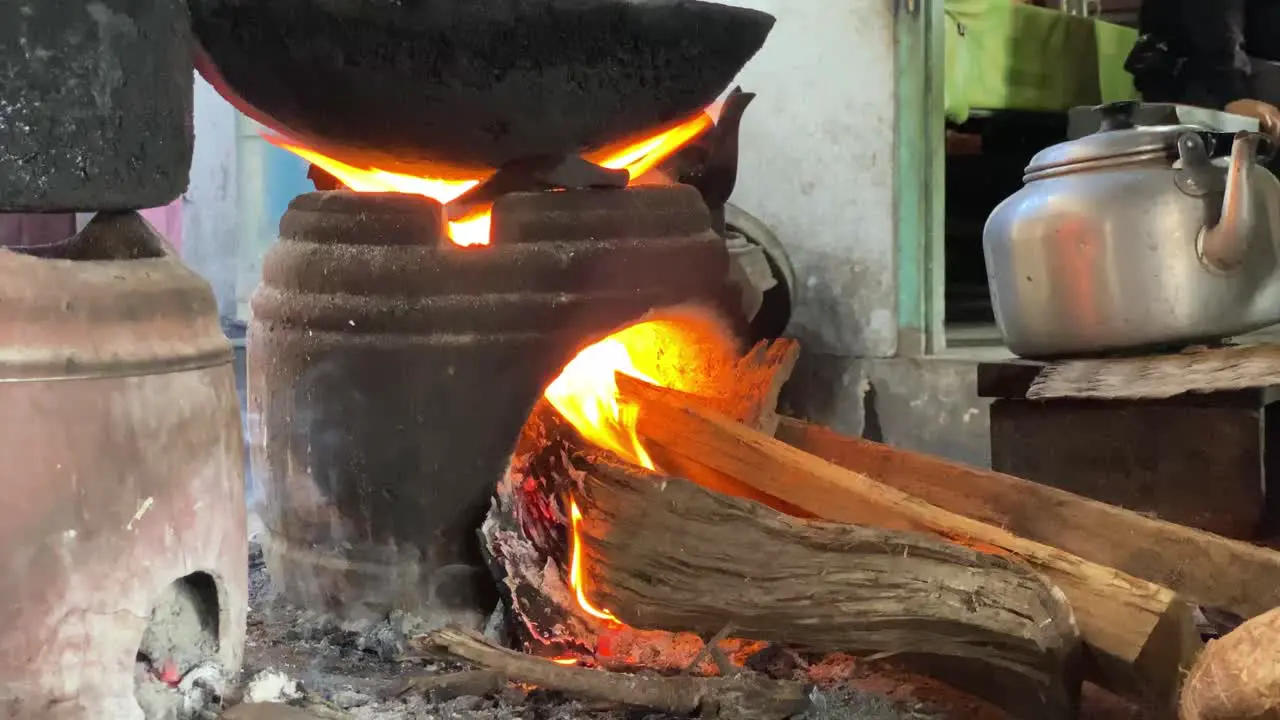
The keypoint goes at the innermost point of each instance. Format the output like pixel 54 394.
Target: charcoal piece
pixel 95 111
pixel 468 83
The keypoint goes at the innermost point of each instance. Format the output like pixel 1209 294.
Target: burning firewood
pixel 595 555
pixel 527 534
pixel 666 554
pixel 740 697
pixel 1142 635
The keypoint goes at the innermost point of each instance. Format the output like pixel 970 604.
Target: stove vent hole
pixel 177 672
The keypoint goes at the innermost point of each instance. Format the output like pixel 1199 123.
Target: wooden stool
pixel 1186 437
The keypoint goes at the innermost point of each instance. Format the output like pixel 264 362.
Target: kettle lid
pixel 1110 144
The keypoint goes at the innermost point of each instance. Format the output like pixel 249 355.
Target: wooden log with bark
pixel 1208 569
pixel 663 553
pixel 1142 636
pixel 526 532
pixel 961 615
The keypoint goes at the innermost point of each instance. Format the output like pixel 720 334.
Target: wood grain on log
pixel 748 392
pixel 742 697
pixel 664 553
pixel 1206 568
pixel 525 534
pixel 1118 614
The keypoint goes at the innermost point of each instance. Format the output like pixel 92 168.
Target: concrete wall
pixel 817 166
pixel 927 404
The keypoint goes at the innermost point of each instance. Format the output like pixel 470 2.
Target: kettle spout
pixel 1222 246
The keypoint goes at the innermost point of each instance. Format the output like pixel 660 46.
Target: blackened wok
pixel 473 84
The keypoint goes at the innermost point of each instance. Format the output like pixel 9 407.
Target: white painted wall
pixel 817 165
pixel 210 237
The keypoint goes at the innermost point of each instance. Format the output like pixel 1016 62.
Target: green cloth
pixel 1004 55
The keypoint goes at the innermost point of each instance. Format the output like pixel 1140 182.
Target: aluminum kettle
pixel 1136 238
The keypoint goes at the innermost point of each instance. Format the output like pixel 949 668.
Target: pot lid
pixel 1108 144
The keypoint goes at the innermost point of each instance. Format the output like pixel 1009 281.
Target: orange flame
pixel 575 569
pixel 664 352
pixel 637 158
pixel 586 394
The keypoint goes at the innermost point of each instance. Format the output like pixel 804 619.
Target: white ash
pixel 352 674
pixel 197 696
pixel 178 674
pixel 271 686
pixel 839 705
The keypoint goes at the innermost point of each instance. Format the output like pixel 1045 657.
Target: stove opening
pixel 178 675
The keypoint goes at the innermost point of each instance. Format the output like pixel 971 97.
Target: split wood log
pixel 526 539
pixel 1208 569
pixel 663 553
pixel 741 697
pixel 1142 635
pixel 525 534
pixel 748 392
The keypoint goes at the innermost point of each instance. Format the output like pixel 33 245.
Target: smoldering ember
pixel 510 413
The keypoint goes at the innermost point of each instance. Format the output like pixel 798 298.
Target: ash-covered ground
pixel 320 670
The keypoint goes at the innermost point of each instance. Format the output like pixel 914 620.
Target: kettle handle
pixel 1222 246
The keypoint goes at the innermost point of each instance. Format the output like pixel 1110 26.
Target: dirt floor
pixel 309 668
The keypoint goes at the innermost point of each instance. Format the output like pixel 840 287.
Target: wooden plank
pixel 1201 370
pixel 1151 457
pixel 1007 378
pixel 1206 568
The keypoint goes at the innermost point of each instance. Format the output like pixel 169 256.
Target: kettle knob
pixel 1117 115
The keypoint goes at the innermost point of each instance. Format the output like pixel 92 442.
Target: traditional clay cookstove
pixel 393 370
pixel 125 533
pixel 123 542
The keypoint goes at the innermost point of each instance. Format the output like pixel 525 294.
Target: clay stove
pixel 124 538
pixel 123 542
pixel 392 370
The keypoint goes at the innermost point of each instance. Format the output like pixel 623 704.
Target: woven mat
pixel 1196 370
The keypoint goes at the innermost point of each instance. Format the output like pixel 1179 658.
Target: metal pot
pixel 1135 238
pixel 470 86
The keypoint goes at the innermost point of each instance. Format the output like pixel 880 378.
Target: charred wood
pixel 741 697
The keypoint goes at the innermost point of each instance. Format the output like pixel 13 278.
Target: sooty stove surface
pixel 391 371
